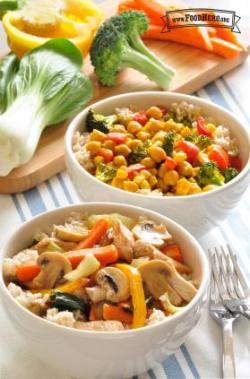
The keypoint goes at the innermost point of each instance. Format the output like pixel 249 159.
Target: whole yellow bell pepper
pixel 77 21
pixel 137 294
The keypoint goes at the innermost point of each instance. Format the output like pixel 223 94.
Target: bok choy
pixel 44 88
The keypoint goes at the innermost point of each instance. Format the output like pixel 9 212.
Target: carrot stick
pixel 153 10
pixel 27 272
pixel 105 255
pixel 173 251
pixel 114 312
pixel 96 233
pixel 211 31
pixel 193 36
pixel 224 48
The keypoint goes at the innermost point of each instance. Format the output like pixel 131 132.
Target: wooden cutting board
pixel 195 68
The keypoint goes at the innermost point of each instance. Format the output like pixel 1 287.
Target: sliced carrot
pixel 173 251
pixel 27 272
pixel 105 255
pixel 192 36
pixel 224 48
pixel 97 232
pixel 114 312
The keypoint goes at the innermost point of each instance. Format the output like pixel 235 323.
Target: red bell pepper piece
pixel 170 163
pixel 201 127
pixel 190 149
pixel 235 162
pixel 141 117
pixel 220 157
pixel 173 251
pixel 117 138
pixel 134 169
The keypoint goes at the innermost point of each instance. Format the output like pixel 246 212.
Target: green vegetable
pixel 8 69
pixel 229 173
pixel 138 154
pixel 47 89
pixel 209 174
pixel 200 140
pixel 167 305
pixel 52 246
pixel 118 45
pixel 99 122
pixel 168 143
pixel 8 5
pixel 86 267
pixel 67 302
pixel 104 172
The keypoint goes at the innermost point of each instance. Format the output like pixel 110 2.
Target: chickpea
pixel 130 186
pixel 122 150
pixel 170 178
pixel 96 135
pixel 185 169
pixel 120 160
pixel 134 127
pixel 154 112
pixel 93 147
pixel 157 153
pixel 148 162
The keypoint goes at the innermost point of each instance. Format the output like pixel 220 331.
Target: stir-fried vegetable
pixel 99 122
pixel 40 94
pixel 122 282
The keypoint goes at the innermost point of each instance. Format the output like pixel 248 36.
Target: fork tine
pixel 240 274
pixel 229 276
pixel 217 275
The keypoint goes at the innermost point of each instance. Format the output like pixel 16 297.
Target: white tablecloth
pixel 200 356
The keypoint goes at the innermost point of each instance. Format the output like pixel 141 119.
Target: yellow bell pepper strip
pixel 137 294
pixel 69 287
pixel 78 21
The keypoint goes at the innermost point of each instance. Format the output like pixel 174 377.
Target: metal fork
pixel 218 294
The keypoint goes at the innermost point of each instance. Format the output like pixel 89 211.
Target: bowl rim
pixel 205 272
pixel 74 125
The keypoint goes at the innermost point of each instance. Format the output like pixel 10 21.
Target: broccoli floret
pixel 168 143
pixel 229 174
pixel 118 45
pixel 209 174
pixel 139 153
pixel 104 172
pixel 200 140
pixel 99 122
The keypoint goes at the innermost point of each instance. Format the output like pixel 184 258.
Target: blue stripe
pixel 216 96
pixel 65 189
pixel 34 201
pixel 235 99
pixel 52 193
pixel 151 374
pixel 172 368
pixel 18 208
pixel 190 362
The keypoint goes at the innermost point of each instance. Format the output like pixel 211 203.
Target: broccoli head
pixel 229 174
pixel 118 45
pixel 168 143
pixel 138 154
pixel 99 122
pixel 209 174
pixel 104 172
pixel 200 140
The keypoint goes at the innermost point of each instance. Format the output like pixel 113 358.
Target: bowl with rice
pixel 176 154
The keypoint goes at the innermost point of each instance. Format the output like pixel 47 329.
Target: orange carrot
pixel 27 272
pixel 114 312
pixel 224 48
pixel 153 10
pixel 211 31
pixel 173 251
pixel 193 36
pixel 96 233
pixel 105 255
pixel 92 313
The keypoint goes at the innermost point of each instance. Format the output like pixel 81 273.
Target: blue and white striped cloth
pixel 200 356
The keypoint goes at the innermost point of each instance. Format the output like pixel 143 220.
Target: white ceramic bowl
pixel 198 213
pixel 106 355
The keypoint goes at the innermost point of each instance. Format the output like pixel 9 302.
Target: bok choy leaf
pixel 47 89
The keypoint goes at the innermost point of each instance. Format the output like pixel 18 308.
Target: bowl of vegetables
pixel 176 154
pixel 107 283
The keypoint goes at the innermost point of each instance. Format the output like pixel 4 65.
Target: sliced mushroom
pixel 115 283
pixel 148 231
pixel 174 297
pixel 158 275
pixel 145 249
pixel 96 293
pixel 124 241
pixel 53 266
pixel 100 326
pixel 67 234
